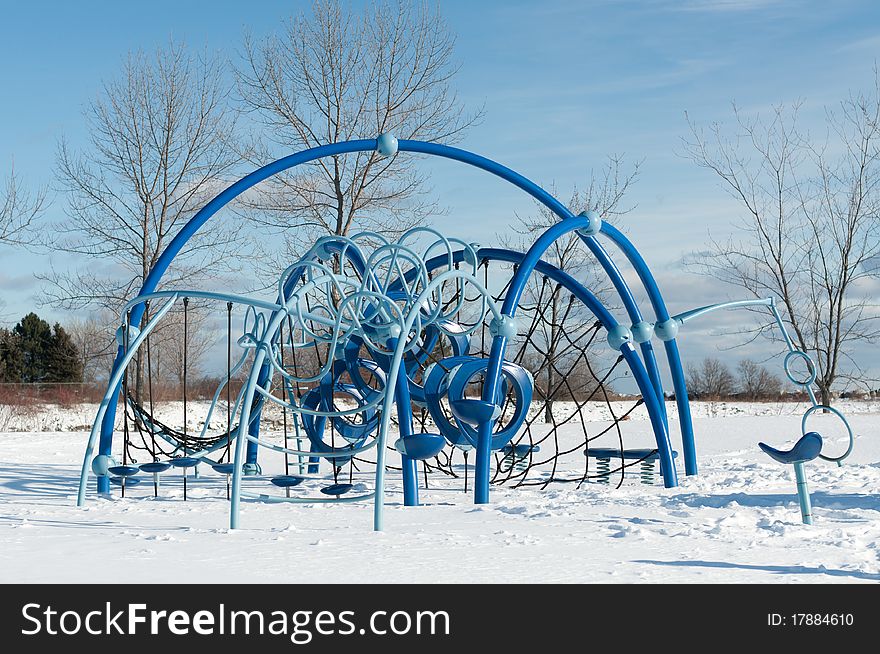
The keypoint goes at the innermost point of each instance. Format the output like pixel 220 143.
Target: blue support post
pixel 803 492
pixel 672 354
pixel 682 401
pixel 314 461
pixel 483 464
pixel 404 418
pixel 256 411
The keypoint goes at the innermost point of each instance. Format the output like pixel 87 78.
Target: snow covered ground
pixel 738 521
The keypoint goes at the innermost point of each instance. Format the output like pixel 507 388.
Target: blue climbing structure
pixel 378 309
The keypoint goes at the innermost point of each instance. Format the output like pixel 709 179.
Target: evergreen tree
pixel 63 363
pixel 34 352
pixel 10 357
pixel 35 343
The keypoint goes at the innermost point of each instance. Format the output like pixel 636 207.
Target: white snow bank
pixel 738 521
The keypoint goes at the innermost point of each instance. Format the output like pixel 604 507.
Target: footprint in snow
pixel 161 537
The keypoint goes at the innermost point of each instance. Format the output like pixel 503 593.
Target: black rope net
pixel 574 405
pixel 148 438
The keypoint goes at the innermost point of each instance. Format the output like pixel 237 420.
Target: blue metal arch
pixel 305 156
pixel 640 373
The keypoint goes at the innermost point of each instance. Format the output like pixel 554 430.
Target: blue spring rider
pixel 808 447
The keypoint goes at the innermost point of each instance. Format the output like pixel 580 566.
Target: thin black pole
pixel 185 355
pixel 284 406
pixel 465 470
pixel 227 454
pixel 150 391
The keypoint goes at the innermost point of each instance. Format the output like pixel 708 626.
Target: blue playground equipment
pixel 364 331
pixel 644 457
pixel 808 447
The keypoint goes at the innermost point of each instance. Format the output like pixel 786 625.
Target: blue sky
pixel 563 84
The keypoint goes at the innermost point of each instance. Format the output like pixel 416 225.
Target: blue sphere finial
pixel 125 336
pixel 666 330
pixel 594 220
pixel 618 336
pixel 386 145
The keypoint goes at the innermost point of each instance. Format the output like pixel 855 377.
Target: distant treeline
pixel 712 379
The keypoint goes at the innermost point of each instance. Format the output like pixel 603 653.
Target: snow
pixel 737 521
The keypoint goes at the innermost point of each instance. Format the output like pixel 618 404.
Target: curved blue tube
pixel 632 310
pixel 234 190
pixel 672 354
pixel 563 212
pixel 189 230
pixel 517 285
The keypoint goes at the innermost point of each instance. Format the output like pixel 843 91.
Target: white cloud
pixel 867 43
pixel 725 5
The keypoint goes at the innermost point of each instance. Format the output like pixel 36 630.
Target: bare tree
pixel 809 232
pixel 756 382
pixel 335 75
pixel 712 379
pixel 18 209
pixel 172 358
pixel 566 321
pixel 96 343
pixel 159 146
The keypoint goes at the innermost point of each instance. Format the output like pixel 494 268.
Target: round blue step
pixel 129 481
pixel 223 468
pixel 185 462
pixel 337 489
pixel 123 471
pixel 287 481
pixel 155 466
pixel 420 446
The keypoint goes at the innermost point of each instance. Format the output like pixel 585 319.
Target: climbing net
pixel 573 405
pixel 356 314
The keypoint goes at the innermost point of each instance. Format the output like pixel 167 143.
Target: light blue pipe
pixel 803 492
pixel 111 396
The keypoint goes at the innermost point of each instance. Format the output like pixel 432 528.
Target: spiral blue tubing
pixel 646 374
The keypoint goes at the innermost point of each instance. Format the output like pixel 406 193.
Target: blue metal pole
pixel 404 419
pixel 672 354
pixel 483 463
pixel 655 412
pixel 629 303
pixel 803 493
pixel 256 411
pixel 685 420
